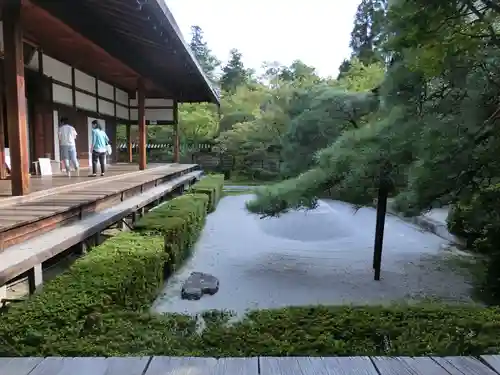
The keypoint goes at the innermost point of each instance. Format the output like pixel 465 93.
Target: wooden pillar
pixel 142 126
pixel 35 278
pixel 176 143
pixel 129 143
pixel 176 132
pixel 15 97
pixel 39 130
pixel 3 166
pixel 114 140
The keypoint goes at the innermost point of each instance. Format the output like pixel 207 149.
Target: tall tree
pixel 344 68
pixel 300 72
pixel 206 58
pixel 367 33
pixel 234 73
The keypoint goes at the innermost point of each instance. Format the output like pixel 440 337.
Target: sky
pixel 314 31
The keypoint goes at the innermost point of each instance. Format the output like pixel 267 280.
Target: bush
pixel 212 186
pixel 179 221
pixel 122 274
pixel 349 331
pixel 474 218
pixel 478 221
pixel 121 277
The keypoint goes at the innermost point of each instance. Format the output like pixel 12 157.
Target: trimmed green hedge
pixel 179 221
pixel 211 185
pixel 122 274
pixel 121 277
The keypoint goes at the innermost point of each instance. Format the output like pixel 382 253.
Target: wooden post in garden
pixel 129 144
pixel 177 158
pixel 142 125
pixel 383 192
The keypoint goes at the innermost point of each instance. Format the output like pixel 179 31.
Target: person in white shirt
pixel 67 143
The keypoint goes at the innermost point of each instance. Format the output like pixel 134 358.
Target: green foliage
pixel 323 331
pixel 433 136
pixel 478 221
pixel 209 63
pixel 198 122
pixel 234 73
pixel 328 112
pixel 212 186
pixel 309 331
pixel 368 33
pixel 360 77
pixel 122 274
pixel 179 221
pixel 278 122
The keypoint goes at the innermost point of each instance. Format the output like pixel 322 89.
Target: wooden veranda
pixel 37 227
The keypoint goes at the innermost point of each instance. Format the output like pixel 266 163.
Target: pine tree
pixel 367 33
pixel 234 73
pixel 209 63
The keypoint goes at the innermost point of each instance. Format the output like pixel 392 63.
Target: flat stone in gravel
pixel 198 284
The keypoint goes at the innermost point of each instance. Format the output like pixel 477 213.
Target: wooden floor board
pixel 18 366
pixel 493 361
pixel 126 365
pixel 181 365
pixel 464 366
pixel 347 366
pixel 49 205
pixel 408 366
pixel 239 366
pixel 280 366
pixel 71 366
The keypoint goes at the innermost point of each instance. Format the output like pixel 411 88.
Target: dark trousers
pixel 101 156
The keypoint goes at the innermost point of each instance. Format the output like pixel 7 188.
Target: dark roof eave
pixel 214 97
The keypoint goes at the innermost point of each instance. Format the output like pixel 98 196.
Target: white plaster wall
pixel 84 81
pixel 163 114
pixel 155 102
pixel 57 70
pixel 62 94
pixel 106 107
pixel 105 90
pixel 122 112
pixel 159 114
pixel 85 101
pixel 121 97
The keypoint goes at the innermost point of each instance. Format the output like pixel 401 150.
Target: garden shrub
pixel 478 221
pixel 124 273
pixel 297 331
pixel 179 221
pixel 470 219
pixel 212 186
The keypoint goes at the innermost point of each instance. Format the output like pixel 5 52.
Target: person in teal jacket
pixel 100 142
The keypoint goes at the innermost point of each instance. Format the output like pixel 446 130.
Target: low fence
pixel 206 156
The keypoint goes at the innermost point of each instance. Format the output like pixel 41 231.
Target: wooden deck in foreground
pixel 484 365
